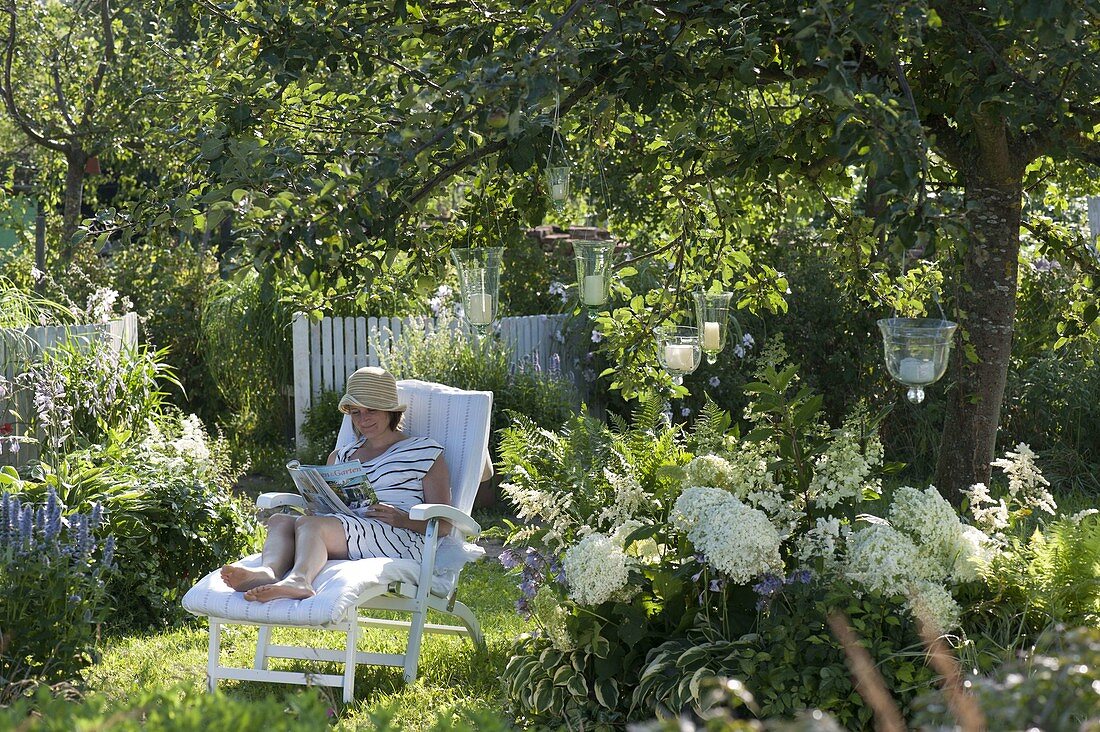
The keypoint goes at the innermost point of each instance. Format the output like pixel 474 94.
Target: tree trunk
pixel 75 161
pixel 987 307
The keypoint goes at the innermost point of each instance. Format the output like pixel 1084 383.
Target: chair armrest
pixel 461 521
pixel 278 500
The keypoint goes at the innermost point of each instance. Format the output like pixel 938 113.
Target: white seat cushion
pixel 339 585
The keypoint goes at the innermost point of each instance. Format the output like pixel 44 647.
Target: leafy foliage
pixel 52 588
pixel 165 709
pixel 246 347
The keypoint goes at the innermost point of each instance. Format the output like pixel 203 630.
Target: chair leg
pixel 468 619
pixel 349 657
pixel 412 651
pixel 213 655
pixel 262 641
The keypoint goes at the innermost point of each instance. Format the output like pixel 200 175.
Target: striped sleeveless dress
pixel 397 476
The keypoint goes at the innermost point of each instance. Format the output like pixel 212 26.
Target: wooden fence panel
pixel 21 347
pixel 326 353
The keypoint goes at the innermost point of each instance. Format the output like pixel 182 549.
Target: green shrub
pixel 321 427
pixel 169 503
pixel 52 592
pixel 1053 687
pixel 180 709
pixel 167 282
pixel 246 346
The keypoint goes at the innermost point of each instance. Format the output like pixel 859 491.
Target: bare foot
pixel 243 579
pixel 293 588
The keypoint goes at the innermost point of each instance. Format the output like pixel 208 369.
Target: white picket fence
pixel 20 347
pixel 1094 219
pixel 327 352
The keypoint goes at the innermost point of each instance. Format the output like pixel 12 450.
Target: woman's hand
pixel 388 514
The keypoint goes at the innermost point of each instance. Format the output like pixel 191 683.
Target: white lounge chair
pixel 346 589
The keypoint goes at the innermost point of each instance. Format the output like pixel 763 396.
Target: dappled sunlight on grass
pixel 453 676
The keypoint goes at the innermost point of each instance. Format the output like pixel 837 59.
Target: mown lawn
pixel 454 677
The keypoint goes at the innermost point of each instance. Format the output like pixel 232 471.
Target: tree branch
pixel 104 63
pixel 557 26
pixel 496 146
pixel 21 119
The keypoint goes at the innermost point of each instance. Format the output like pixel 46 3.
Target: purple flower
pixel 800 577
pixel 555 364
pixel 717 585
pixel 109 551
pixel 747 340
pixel 739 351
pixel 768 586
pixel 509 559
pixel 685 412
pixel 714 381
pixel 529 588
pixel 597 336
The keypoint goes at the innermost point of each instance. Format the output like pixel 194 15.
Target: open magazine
pixel 340 488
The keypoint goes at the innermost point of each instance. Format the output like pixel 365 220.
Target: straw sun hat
pixel 371 388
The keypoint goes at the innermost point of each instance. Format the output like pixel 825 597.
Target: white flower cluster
pixel 710 470
pixel 552 510
pixel 1026 484
pixel 646 550
pixel 933 604
pixel 932 523
pixel 629 497
pixel 736 539
pixel 191 443
pixel 989 514
pixel 823 541
pixel 883 559
pixel 596 568
pixel 842 471
pixel 101 304
pixel 749 471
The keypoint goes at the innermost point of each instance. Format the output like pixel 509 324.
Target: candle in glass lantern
pixel 479 311
pixel 557 191
pixel 593 292
pixel 679 357
pixel 916 371
pixel 711 340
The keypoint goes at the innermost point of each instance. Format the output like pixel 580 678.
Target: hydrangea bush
pixel 652 557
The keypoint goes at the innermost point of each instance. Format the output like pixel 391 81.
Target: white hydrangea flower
pixel 976 551
pixel 882 558
pixel 784 513
pixel 823 541
pixel 738 540
pixel 933 525
pixel 596 568
pixel 709 470
pixel 933 604
pixel 748 468
pixel 842 471
pixel 1026 484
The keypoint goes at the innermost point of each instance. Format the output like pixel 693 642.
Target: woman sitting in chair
pixel 404 471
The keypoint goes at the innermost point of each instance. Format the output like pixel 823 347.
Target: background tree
pixel 326 132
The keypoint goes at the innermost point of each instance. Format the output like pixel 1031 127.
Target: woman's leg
pixel 277 557
pixel 316 540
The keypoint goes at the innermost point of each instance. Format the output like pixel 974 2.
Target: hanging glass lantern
pixel 712 317
pixel 557 185
pixel 593 272
pixel 479 278
pixel 916 351
pixel 678 350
